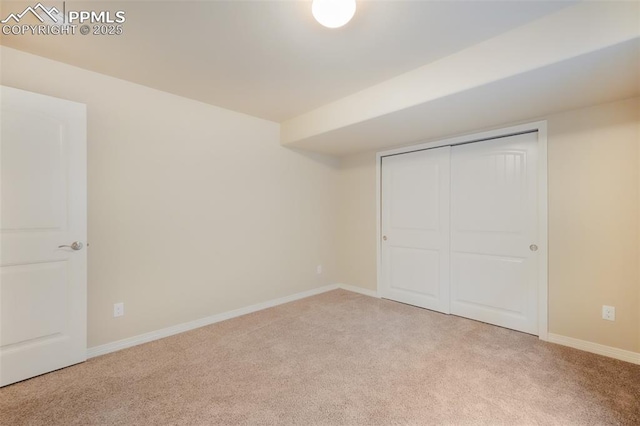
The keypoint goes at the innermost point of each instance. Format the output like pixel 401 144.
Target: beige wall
pixel 193 210
pixel 357 221
pixel 593 223
pixel 594 240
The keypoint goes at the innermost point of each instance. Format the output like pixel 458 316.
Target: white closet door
pixel 493 224
pixel 415 228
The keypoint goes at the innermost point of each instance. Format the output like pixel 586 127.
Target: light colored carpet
pixel 336 358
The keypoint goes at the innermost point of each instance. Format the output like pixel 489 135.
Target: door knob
pixel 384 237
pixel 76 245
pixel 533 247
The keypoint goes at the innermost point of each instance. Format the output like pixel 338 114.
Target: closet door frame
pixel 542 242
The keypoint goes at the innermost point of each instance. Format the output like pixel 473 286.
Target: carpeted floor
pixel 336 358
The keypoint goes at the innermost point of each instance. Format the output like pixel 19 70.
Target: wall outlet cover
pixel 609 313
pixel 118 309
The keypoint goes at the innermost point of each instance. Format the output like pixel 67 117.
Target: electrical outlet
pixel 118 309
pixel 319 269
pixel 609 313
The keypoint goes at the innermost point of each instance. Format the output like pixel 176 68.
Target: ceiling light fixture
pixel 333 13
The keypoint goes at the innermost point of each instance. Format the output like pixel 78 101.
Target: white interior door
pixel 415 228
pixel 494 271
pixel 43 206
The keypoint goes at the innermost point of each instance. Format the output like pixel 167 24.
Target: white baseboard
pixel 360 290
pixel 584 345
pixel 596 348
pixel 181 328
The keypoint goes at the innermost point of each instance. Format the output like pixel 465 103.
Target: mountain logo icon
pixel 38 11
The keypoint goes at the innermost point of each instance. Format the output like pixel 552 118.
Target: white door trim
pixel 538 126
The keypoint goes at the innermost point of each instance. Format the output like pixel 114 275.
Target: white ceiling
pixel 269 58
pixel 612 73
pixel 586 54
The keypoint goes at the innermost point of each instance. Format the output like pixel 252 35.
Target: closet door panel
pixel 415 228
pixel 493 223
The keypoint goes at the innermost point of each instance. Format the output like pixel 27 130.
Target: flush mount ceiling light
pixel 333 13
